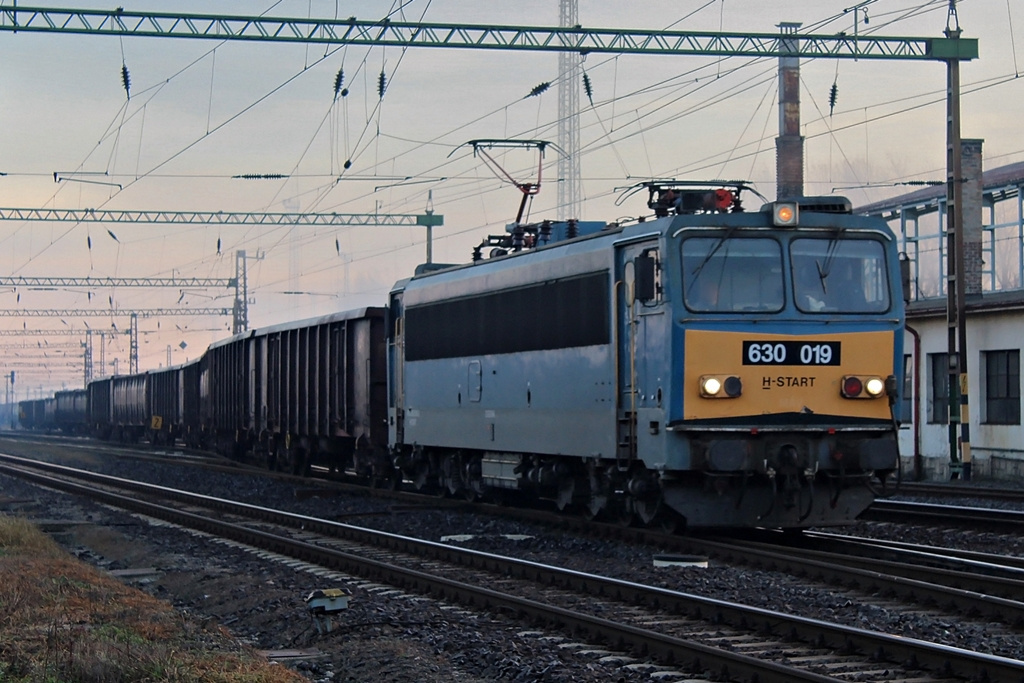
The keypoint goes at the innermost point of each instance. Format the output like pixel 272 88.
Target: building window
pixel 1002 387
pixel 938 388
pixel 907 416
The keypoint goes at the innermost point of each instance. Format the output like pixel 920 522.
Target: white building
pixel 994 293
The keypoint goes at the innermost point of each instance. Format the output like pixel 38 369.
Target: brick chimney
pixel 971 165
pixel 789 146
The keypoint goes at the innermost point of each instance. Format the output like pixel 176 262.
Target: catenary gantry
pixel 351 31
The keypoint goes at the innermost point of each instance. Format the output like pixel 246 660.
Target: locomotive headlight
pixel 785 214
pixel 862 387
pixel 712 386
pixel 709 386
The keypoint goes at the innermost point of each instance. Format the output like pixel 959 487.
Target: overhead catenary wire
pixel 644 127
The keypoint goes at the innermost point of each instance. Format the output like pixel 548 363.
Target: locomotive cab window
pixel 839 276
pixel 726 274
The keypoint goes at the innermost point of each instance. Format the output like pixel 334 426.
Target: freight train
pixel 705 366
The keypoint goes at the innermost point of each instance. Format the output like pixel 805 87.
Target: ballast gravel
pixel 388 635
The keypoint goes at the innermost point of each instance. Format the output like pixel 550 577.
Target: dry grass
pixel 62 620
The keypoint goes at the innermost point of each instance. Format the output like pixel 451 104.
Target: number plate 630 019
pixel 790 353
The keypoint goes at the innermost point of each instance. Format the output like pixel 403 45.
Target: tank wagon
pixel 707 367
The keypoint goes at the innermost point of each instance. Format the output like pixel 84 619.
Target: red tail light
pixel 852 387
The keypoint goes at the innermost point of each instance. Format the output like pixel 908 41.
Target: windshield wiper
pixel 714 250
pixel 830 257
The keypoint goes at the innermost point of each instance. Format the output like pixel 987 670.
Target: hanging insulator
pixel 833 95
pixel 337 246
pixel 339 80
pixel 218 246
pixel 537 90
pixel 109 232
pixel 588 88
pixel 126 80
pixel 88 241
pixel 382 83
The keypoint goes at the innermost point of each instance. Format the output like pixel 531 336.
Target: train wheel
pixel 422 479
pixel 648 509
pixel 566 493
pixel 472 478
pixel 595 506
pixel 302 462
pixel 656 515
pixel 279 458
pixel 451 475
pixel 387 480
pixel 621 514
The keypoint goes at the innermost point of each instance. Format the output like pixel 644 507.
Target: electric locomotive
pixel 710 367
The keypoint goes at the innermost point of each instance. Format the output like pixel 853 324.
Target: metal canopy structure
pixel 351 31
pixel 920 218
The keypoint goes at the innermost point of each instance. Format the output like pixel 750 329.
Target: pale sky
pixel 201 112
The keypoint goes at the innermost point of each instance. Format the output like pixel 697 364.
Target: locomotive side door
pixel 638 321
pixel 396 367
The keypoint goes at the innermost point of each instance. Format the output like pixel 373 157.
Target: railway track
pixel 882 510
pixel 953 582
pixel 961 490
pixel 737 641
pixel 901 512
pixel 930 578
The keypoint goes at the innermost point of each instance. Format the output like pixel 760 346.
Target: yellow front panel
pixel 770 389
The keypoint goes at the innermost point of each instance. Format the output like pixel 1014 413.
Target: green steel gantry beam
pixel 219 217
pixel 44 333
pixel 351 31
pixel 38 346
pixel 19 281
pixel 71 332
pixel 100 313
